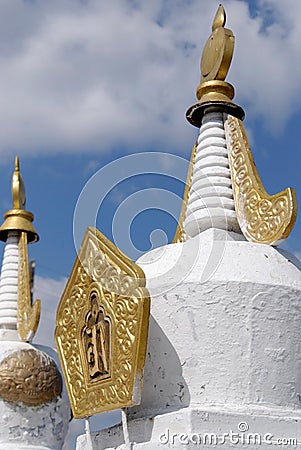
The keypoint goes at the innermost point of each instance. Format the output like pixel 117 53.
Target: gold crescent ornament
pixel 218 51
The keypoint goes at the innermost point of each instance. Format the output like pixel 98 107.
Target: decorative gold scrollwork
pixel 262 218
pixel 101 328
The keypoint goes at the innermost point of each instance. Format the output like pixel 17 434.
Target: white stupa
pixel 224 351
pixel 34 408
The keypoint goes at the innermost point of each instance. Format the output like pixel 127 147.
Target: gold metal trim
pixel 215 90
pixel 103 369
pixel 262 218
pixel 28 313
pixel 180 235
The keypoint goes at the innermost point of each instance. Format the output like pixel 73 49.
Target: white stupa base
pixel 8 335
pixel 32 428
pixel 206 428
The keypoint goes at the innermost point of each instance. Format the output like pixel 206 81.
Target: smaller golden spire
pixel 18 222
pixel 18 218
pixel 18 188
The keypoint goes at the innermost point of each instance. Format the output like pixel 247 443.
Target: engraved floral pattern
pixel 29 376
pixel 262 218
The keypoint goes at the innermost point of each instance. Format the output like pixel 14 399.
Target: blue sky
pixel 83 83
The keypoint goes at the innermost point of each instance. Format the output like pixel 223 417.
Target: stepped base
pixel 224 331
pixel 208 428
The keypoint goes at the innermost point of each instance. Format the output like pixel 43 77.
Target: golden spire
pixel 262 218
pixel 215 63
pixel 18 222
pixel 18 218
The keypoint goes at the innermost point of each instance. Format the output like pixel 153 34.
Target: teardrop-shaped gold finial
pixel 17 164
pixel 18 188
pixel 220 18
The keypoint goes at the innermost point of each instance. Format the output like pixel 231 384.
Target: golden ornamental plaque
pixel 101 328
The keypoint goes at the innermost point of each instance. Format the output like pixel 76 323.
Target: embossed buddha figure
pixel 96 339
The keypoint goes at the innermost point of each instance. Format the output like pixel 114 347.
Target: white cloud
pixel 265 64
pixel 89 75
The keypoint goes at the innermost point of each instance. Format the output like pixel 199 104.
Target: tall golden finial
pixel 218 51
pixel 18 222
pixel 215 63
